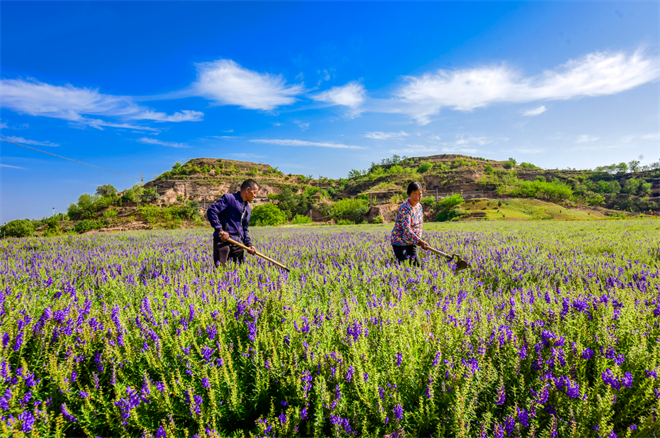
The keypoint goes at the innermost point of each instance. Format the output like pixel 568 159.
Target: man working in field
pixel 230 217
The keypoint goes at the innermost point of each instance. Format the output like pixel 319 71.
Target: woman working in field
pixel 407 232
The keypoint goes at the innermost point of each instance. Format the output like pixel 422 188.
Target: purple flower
pixel 627 380
pixel 399 357
pixel 398 412
pixel 349 374
pixel 587 354
pixel 27 420
pixel 160 433
pixel 206 383
pixel 501 395
pixel 67 414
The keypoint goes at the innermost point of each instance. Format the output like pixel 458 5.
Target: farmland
pixel 554 332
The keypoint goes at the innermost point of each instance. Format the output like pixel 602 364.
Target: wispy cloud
pixel 596 74
pixel 655 136
pixel 301 125
pixel 71 103
pixel 3 125
pixel 530 151
pixel 416 149
pixel 350 95
pixel 586 139
pixel 227 83
pixel 170 144
pixel 385 135
pixel 32 142
pixel 535 111
pixel 306 143
pixel 12 167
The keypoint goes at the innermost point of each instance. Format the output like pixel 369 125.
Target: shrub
pixel 395 170
pixel 428 202
pixel 349 209
pixel 345 222
pixel 52 226
pixel 488 169
pixel 378 220
pixel 425 167
pixel 86 225
pixel 18 228
pixel 267 214
pixel 301 219
pixel 448 208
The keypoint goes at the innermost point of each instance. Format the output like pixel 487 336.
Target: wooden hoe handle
pixel 232 241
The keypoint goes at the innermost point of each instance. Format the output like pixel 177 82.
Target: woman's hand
pixel 423 245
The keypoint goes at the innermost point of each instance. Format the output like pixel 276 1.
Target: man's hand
pixel 251 250
pixel 223 235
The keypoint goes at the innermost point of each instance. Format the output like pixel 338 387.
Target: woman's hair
pixel 413 187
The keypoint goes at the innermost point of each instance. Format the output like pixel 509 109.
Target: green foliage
pixel 425 167
pixel 349 209
pixel 596 200
pixel 133 194
pixel 428 202
pixel 106 190
pixel 552 191
pixel 508 165
pixel 267 215
pixel 378 220
pixel 631 187
pixel 300 219
pixel 18 228
pixel 540 178
pixel 395 170
pixel 86 225
pixel 525 165
pixel 448 208
pixel 645 189
pixel 488 169
pixel 110 213
pixel 345 222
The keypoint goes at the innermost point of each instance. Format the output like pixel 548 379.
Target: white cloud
pixel 230 130
pixel 12 167
pixel 462 140
pixel 535 111
pixel 385 135
pixel 305 143
pixel 416 149
pixel 595 74
pixel 3 125
pixel 586 139
pixel 655 136
pixel 301 125
pixel 32 142
pixel 170 144
pixel 72 103
pixel 183 116
pixel 350 95
pixel 227 83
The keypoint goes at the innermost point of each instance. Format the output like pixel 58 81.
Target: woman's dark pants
pixel 224 251
pixel 406 253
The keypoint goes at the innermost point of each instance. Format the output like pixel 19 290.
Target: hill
pixel 492 190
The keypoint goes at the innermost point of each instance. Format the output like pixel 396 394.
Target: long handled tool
pixel 230 240
pixel 460 263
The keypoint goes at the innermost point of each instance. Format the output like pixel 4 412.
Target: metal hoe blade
pixel 460 263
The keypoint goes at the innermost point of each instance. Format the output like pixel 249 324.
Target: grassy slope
pixel 528 209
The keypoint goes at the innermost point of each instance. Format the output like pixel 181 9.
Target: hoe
pixel 230 240
pixel 460 263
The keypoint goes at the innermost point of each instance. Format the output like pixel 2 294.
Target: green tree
pixel 645 189
pixel 267 214
pixel 349 209
pixel 18 228
pixel 106 190
pixel 632 186
pixel 513 161
pixel 634 166
pixel 85 201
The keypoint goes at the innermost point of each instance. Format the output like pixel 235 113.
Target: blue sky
pixel 316 88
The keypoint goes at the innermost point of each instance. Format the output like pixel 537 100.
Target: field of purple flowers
pixel 555 332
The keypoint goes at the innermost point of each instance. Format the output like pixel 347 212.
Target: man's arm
pixel 213 212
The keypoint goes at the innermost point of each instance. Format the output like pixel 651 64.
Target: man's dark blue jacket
pixel 225 215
